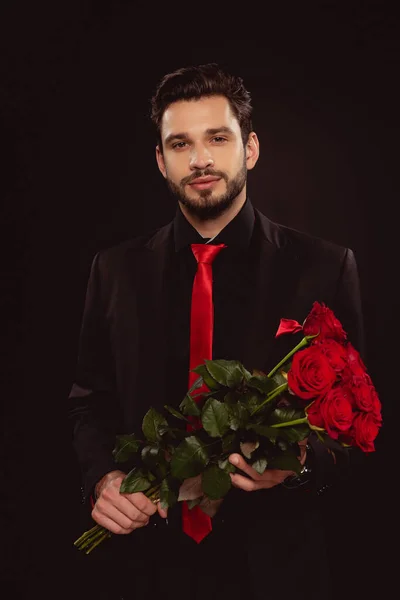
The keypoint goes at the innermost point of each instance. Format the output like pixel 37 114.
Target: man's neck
pixel 212 227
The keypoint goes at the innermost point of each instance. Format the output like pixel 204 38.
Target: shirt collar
pixel 236 234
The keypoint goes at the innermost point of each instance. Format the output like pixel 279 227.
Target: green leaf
pixel 247 448
pixel 282 444
pixel 126 446
pixel 238 416
pixel 285 414
pixel 189 407
pixel 153 458
pixel 215 418
pixel 232 397
pixel 251 400
pixel 269 432
pixel 215 482
pixel 163 429
pixel 260 465
pixel 295 433
pixel 229 443
pixel 247 375
pixel 189 459
pixel 210 507
pixel 175 413
pixel 228 373
pixel 210 382
pixel 167 494
pixel 226 466
pixel 192 503
pixel 197 384
pixel 261 384
pixel 279 378
pixel 135 481
pixel 151 455
pixel 174 433
pixel 190 489
pixel 151 422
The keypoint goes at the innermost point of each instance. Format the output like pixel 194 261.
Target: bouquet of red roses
pixel 332 379
pixel 321 385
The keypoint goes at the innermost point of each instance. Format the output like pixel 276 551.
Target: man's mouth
pixel 203 183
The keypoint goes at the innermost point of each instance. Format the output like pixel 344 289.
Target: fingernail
pixel 234 460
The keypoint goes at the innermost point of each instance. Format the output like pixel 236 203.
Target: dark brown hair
pixel 199 81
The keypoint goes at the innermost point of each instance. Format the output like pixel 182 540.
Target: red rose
pixel 336 411
pixel 364 431
pixel 288 326
pixel 336 353
pixel 311 375
pixel 314 414
pixel 366 399
pixel 322 321
pixel 356 370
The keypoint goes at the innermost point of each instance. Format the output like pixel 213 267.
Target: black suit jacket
pixel 123 344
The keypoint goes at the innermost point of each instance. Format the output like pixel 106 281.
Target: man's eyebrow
pixel 176 136
pixel 211 131
pixel 223 129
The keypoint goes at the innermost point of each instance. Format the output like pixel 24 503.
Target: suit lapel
pixel 276 279
pixel 151 276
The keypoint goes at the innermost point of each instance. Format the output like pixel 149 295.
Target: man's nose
pixel 201 159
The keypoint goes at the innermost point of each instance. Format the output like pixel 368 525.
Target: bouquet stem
pixel 276 392
pixel 291 423
pixel 300 345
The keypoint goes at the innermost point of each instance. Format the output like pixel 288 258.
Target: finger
pixel 241 464
pixel 269 479
pixel 279 475
pixel 163 512
pixel 111 497
pixel 131 510
pixel 119 518
pixel 244 483
pixel 110 524
pixel 142 503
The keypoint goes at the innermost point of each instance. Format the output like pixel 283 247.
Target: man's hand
pixel 270 478
pixel 122 513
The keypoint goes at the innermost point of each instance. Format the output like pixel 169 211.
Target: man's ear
pixel 252 150
pixel 160 161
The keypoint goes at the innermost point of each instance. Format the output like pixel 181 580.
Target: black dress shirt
pixel 233 284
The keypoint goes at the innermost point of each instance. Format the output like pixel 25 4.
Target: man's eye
pixel 219 139
pixel 179 145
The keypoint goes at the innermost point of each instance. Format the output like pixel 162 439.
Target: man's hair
pixel 189 83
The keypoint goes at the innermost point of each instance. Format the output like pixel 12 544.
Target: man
pixel 134 353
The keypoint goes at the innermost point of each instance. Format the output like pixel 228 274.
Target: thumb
pixel 163 512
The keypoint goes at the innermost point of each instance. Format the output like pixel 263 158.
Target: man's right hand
pixel 122 513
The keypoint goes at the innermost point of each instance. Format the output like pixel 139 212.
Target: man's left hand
pixel 270 478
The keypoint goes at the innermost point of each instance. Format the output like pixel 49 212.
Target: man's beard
pixel 207 206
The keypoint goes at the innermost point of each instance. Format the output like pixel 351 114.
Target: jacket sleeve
pixel 92 402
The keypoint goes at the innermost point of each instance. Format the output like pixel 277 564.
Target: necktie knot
pixel 205 253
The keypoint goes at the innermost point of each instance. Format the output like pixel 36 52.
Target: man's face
pixel 203 159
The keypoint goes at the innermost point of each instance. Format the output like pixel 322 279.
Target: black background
pixel 79 174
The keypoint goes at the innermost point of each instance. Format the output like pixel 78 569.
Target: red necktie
pixel 195 522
